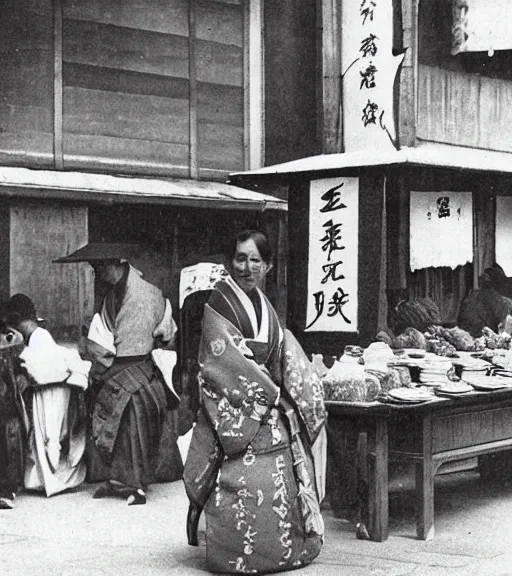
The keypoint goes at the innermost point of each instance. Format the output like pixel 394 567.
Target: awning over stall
pixel 425 154
pixel 102 188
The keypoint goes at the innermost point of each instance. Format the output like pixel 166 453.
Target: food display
pixel 441 361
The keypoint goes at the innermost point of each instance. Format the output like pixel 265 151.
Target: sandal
pixel 136 498
pixel 6 503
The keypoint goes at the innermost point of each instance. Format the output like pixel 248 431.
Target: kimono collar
pixel 261 334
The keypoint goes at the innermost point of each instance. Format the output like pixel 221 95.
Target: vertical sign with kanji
pixel 333 255
pixel 368 72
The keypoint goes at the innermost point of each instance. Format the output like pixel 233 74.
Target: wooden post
pixel 57 85
pixel 247 82
pixel 331 80
pixel 378 481
pixel 407 121
pixel 425 484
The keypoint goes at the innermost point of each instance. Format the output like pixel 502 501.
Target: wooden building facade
pixel 402 113
pixel 120 120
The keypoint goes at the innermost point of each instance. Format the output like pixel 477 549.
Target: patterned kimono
pixel 250 462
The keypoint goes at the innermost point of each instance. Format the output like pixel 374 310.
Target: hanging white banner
pixel 504 233
pixel 481 26
pixel 368 72
pixel 441 229
pixel 333 255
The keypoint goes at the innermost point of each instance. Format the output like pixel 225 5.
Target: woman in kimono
pixel 250 462
pixel 54 460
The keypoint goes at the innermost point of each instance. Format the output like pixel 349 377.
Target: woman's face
pixel 249 268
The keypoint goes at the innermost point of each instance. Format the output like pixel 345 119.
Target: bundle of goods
pixel 351 381
pixel 492 340
pixel 410 338
pixel 448 341
pixel 348 381
pixel 458 338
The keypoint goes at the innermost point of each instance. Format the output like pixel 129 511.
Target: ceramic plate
pixel 480 382
pixel 410 394
pixel 455 388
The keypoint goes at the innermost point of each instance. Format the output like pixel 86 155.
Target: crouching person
pixel 55 377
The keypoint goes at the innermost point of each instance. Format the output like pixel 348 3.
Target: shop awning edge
pixel 110 189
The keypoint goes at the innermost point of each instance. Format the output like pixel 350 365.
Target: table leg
pixel 378 482
pixel 425 486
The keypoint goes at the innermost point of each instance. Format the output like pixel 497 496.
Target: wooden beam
pixel 407 122
pixel 331 81
pixel 246 83
pixel 256 85
pixel 192 73
pixel 57 85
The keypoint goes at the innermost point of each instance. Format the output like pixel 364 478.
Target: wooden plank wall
pixel 62 293
pixel 126 84
pixel 219 58
pixel 464 99
pixel 464 109
pixel 26 82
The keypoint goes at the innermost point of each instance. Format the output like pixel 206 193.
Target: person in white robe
pixel 58 376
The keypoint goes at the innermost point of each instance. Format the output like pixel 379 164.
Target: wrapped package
pixel 440 347
pixel 398 376
pixel 410 338
pixel 348 382
pixel 458 338
pixel 491 338
pixel 377 351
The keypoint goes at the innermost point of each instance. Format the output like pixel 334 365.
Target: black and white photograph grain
pixel 255 287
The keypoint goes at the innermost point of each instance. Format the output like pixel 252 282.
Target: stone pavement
pixel 74 535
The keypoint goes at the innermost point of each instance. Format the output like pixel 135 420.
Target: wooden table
pixel 429 435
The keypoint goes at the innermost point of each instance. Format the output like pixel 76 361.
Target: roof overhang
pixel 425 154
pixel 106 189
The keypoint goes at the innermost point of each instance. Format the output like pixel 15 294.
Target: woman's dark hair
pixel 18 308
pixel 258 238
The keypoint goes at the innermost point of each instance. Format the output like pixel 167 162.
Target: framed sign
pixel 333 255
pixel 368 74
pixel 441 229
pixel 481 26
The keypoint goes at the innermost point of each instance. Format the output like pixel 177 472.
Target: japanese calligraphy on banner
pixel 504 233
pixel 481 26
pixel 333 255
pixel 368 71
pixel 441 229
